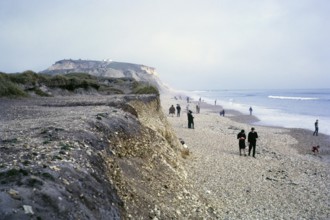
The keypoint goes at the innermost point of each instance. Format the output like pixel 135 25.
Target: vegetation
pixel 23 84
pixel 140 88
pixel 8 88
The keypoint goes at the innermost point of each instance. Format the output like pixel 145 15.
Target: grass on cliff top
pixel 20 84
pixel 139 88
pixel 8 88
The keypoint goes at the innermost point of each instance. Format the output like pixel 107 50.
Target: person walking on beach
pixel 190 120
pixel 316 124
pixel 252 139
pixel 172 110
pixel 222 113
pixel 178 110
pixel 197 108
pixel 250 109
pixel 241 142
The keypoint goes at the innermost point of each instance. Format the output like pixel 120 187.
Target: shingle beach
pixel 284 181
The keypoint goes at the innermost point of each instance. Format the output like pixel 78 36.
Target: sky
pixel 193 44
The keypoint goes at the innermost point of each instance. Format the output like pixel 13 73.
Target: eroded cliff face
pixel 108 69
pixel 86 157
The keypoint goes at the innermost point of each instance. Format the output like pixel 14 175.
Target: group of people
pixel 252 140
pixel 253 136
pixel 172 110
pixel 241 136
pixel 178 111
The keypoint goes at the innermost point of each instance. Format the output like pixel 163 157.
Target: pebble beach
pixel 285 180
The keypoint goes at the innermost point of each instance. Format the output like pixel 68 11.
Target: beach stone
pixel 14 194
pixel 28 209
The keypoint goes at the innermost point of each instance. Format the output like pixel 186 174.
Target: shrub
pixel 27 77
pixel 8 88
pixel 146 90
pixel 109 90
pixel 57 81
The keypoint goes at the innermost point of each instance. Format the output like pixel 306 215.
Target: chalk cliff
pixel 107 69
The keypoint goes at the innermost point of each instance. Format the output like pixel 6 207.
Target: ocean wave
pixel 291 97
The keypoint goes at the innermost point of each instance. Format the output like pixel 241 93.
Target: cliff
pixel 107 69
pixel 78 157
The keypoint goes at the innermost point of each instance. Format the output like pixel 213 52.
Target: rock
pixel 28 209
pixel 14 194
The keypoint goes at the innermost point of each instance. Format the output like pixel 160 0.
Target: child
pixel 315 149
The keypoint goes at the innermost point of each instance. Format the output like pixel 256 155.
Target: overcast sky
pixel 193 44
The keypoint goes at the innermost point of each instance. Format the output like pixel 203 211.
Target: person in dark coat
pixel 190 120
pixel 178 110
pixel 250 109
pixel 252 139
pixel 316 124
pixel 241 142
pixel 315 149
pixel 172 110
pixel 222 112
pixel 197 109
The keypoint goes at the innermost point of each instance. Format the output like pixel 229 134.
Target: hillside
pixel 107 69
pixel 30 83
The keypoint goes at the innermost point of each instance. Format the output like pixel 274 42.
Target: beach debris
pixel 233 128
pixel 28 209
pixel 14 194
pixel 56 168
pixel 183 143
pixel 185 151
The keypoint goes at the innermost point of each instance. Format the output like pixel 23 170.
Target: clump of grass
pixel 185 153
pixel 66 146
pixel 73 81
pixel 141 88
pixel 109 90
pixel 27 77
pixel 8 88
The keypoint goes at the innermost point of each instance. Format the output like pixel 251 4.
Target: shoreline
pixel 290 110
pixel 304 137
pixel 284 181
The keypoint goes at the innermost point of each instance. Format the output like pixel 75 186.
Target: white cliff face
pixel 150 70
pixel 107 69
pixel 62 65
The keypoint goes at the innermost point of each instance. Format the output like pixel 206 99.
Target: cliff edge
pixel 107 68
pixel 78 157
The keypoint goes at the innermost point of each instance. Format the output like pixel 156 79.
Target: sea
pixel 289 108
